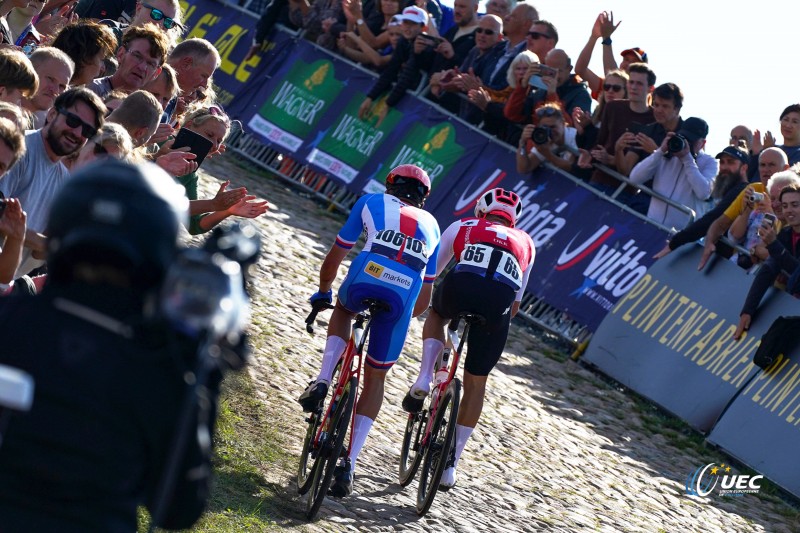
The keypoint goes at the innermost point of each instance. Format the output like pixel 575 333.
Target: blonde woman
pixel 112 140
pixel 211 122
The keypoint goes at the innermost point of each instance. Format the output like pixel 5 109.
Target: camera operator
pixel 681 171
pixel 110 374
pixel 548 139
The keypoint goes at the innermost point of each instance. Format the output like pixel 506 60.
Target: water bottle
pixel 441 375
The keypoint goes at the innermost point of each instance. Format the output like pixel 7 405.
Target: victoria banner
pixel 589 252
pixel 670 338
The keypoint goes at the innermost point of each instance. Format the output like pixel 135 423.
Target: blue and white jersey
pixel 401 232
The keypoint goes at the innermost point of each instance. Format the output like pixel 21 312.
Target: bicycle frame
pixel 453 340
pixel 351 366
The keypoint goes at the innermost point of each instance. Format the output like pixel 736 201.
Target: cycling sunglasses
pixel 157 15
pixel 73 121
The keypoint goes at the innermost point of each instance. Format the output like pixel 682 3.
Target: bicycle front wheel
pixel 331 449
pixel 441 444
pixel 411 452
pixel 305 469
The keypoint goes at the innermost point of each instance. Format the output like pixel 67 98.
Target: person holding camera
pixel 112 372
pixel 548 140
pixel 770 161
pixel 681 171
pixel 783 248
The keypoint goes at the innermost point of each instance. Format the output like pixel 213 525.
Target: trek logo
pixel 613 268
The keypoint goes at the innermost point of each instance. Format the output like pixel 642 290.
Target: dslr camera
pixel 541 135
pixel 676 143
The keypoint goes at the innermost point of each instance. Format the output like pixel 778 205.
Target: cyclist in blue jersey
pixel 396 266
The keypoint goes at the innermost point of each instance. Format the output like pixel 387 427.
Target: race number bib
pixel 477 257
pixel 401 248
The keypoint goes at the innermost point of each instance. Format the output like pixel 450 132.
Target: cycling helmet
pixel 506 204
pixel 409 182
pixel 117 214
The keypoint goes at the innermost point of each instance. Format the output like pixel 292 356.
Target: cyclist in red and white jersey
pixel 493 263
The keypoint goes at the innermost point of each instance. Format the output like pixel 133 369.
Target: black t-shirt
pixel 94 445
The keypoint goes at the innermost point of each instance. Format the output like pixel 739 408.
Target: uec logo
pixel 703 481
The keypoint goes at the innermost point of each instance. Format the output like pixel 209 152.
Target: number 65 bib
pixel 476 259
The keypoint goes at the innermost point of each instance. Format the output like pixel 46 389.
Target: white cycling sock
pixel 431 348
pixel 361 429
pixel 334 348
pixel 463 434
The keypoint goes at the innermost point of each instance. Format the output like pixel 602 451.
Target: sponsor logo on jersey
pixel 388 275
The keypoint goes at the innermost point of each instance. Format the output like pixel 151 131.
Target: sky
pixel 728 58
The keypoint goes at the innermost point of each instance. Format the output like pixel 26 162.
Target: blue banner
pixel 670 338
pixel 761 427
pixel 588 252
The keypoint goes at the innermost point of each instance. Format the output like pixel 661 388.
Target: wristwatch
pixel 606 41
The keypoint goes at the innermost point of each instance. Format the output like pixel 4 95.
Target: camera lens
pixel 675 144
pixel 541 135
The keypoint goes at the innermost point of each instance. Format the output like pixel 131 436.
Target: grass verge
pixel 246 446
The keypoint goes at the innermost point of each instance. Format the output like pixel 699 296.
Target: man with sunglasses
pixel 140 56
pixel 477 66
pixel 164 14
pixel 38 176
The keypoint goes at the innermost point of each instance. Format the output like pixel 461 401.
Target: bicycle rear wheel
pixel 440 445
pixel 331 448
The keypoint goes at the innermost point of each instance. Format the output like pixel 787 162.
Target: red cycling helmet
pixel 409 171
pixel 506 204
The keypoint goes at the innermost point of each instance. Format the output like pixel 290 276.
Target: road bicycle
pixel 429 437
pixel 328 424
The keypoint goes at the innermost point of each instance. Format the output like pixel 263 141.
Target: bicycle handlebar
pixel 312 316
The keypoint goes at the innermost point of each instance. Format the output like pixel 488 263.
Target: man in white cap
pixel 402 72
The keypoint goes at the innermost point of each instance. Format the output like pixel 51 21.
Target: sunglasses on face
pixel 484 30
pixel 545 112
pixel 535 35
pixel 73 121
pixel 612 87
pixel 158 15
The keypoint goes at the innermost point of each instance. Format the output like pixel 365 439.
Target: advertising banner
pixel 426 137
pixel 588 252
pixel 300 94
pixel 231 32
pixel 761 427
pixel 673 343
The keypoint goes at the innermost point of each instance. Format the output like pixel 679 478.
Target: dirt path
pixel 557 449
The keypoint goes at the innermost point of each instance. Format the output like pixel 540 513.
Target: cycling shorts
pixel 375 276
pixel 468 292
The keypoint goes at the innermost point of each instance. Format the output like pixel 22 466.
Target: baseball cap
pixel 694 128
pixel 414 14
pixel 640 54
pixel 735 152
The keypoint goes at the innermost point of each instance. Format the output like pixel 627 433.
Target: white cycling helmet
pixel 506 204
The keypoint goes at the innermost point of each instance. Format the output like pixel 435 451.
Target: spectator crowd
pixel 617 130
pixel 85 81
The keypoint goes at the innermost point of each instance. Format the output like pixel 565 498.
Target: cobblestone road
pixel 557 449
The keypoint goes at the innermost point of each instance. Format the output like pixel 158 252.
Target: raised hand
pixel 225 198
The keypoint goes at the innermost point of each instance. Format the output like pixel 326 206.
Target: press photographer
pixel 548 139
pixel 127 345
pixel 681 171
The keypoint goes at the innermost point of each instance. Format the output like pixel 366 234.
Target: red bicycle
pixel 429 437
pixel 328 424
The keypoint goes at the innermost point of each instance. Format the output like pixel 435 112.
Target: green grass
pixel 246 446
